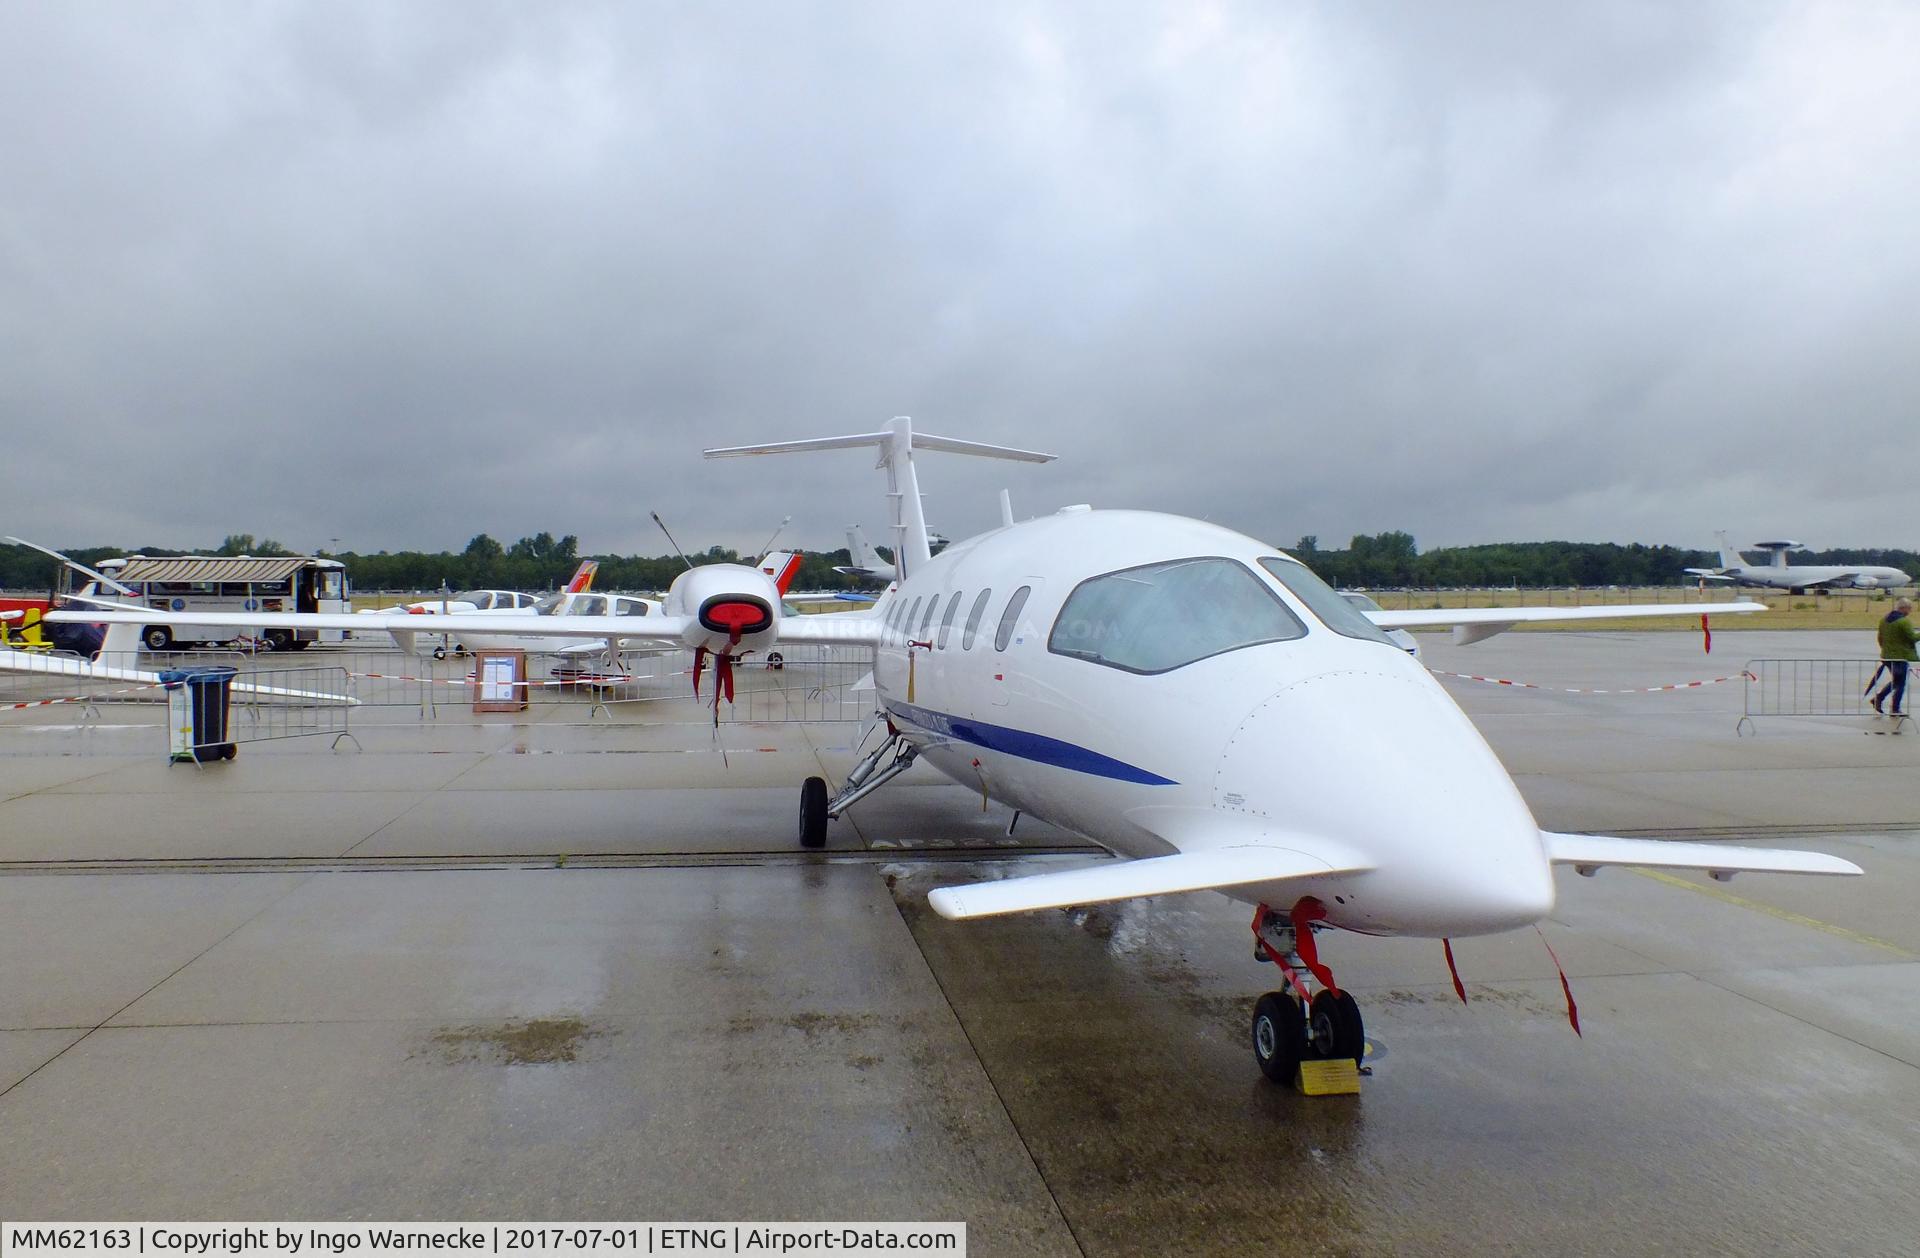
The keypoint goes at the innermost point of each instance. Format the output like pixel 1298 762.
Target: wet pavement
pixel 541 967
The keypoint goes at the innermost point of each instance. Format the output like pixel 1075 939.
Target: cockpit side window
pixel 1335 612
pixel 1162 616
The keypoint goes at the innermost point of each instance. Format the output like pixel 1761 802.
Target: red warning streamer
pixel 1459 988
pixel 1573 1010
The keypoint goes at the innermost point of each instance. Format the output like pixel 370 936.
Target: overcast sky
pixel 399 273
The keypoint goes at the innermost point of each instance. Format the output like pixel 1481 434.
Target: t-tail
pixel 911 545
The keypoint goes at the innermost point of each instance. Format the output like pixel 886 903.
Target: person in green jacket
pixel 1898 636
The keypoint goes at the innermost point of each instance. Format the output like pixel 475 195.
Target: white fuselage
pixel 1325 736
pixel 1803 576
pixel 558 605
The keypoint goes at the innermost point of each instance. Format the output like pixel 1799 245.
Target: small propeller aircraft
pixel 1195 700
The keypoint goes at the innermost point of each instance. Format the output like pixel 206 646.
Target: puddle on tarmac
pixel 533 1042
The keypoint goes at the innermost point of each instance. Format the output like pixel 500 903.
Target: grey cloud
pixel 398 274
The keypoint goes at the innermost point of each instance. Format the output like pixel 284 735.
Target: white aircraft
pixel 1195 700
pixel 467 601
pixel 863 560
pixel 1778 574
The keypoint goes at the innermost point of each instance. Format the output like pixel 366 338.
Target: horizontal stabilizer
pixel 1126 879
pixel 921 441
pixel 1588 852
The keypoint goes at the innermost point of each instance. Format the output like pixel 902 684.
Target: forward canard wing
pixel 1207 870
pixel 1587 853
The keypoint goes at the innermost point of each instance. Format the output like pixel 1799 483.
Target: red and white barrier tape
pixel 47 703
pixel 1575 690
pixel 582 679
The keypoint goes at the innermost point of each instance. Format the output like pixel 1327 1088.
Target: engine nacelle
pixel 731 609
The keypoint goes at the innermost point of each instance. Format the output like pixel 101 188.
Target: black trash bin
pixel 197 703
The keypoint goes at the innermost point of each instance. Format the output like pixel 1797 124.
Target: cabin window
pixel 973 619
pixel 1333 611
pixel 946 621
pixel 926 621
pixel 632 607
pixel 906 626
pixel 1010 617
pixel 1161 616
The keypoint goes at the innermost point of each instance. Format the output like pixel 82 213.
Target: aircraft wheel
pixel 439 653
pixel 157 637
pixel 1336 1027
pixel 776 660
pixel 1279 1036
pixel 813 813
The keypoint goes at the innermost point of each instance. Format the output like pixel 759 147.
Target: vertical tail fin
pixel 897 444
pixel 1729 557
pixel 861 551
pixel 582 579
pixel 783 566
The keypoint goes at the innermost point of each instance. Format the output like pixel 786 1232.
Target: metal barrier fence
pixel 1813 688
pixel 811 683
pixel 291 703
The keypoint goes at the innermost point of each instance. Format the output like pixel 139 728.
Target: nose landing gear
pixel 1298 1024
pixel 880 766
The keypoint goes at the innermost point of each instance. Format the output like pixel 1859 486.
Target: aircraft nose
pixel 1383 759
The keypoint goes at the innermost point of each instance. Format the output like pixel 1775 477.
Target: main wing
pixel 1473 624
pixel 841 629
pixel 1588 853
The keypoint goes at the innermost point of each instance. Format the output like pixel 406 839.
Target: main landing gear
pixel 886 762
pixel 1299 1024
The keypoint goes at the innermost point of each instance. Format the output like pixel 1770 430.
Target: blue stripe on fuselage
pixel 1027 746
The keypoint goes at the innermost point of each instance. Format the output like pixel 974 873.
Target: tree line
pixel 1388 560
pixel 1392 561
pixel 540 562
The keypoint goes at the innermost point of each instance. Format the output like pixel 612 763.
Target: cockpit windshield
pixel 479 598
pixel 1162 616
pixel 1335 612
pixel 550 605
